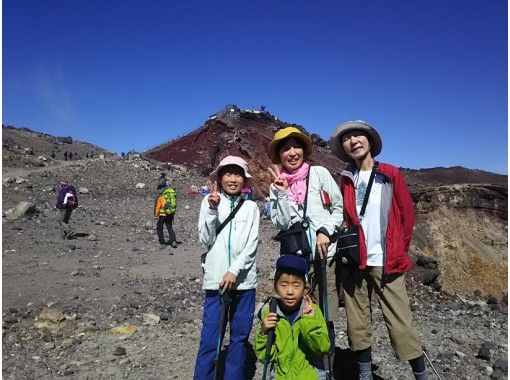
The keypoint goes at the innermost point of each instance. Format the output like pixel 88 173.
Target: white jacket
pixel 285 212
pixel 234 249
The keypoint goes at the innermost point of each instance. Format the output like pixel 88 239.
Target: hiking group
pixel 314 276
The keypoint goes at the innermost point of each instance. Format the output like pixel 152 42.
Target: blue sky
pixel 431 76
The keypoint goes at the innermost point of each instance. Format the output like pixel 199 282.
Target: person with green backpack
pixel 164 211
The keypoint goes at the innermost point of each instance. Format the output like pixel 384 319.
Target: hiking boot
pixel 162 242
pixel 174 244
pixel 69 235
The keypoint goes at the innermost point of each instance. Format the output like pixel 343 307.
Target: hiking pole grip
pixel 273 302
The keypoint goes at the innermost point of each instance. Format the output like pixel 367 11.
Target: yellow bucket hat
pixel 283 134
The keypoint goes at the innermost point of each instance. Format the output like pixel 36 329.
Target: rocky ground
pixel 112 304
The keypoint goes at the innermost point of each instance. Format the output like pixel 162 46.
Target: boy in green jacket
pixel 301 334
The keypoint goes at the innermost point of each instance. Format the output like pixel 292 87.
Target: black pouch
pixel 295 240
pixel 347 246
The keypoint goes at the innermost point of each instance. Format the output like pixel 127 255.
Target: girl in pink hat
pixel 228 226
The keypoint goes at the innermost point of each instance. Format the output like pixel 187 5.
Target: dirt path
pixel 23 172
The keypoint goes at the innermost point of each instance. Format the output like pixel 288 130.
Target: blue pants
pixel 240 318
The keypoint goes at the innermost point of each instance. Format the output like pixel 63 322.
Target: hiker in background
pixel 65 155
pixel 164 211
pixel 265 213
pixel 67 201
pixel 247 193
pixel 301 193
pixel 301 332
pixel 163 181
pixel 384 237
pixel 53 155
pixel 229 267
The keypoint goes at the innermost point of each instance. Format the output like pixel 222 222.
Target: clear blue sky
pixel 431 75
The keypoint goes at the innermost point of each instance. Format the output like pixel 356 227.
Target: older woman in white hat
pixel 384 236
pixel 306 194
pixel 229 266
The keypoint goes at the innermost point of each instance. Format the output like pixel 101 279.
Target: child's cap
pixel 232 160
pixel 293 262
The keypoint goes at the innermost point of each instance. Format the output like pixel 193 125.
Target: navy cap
pixel 292 262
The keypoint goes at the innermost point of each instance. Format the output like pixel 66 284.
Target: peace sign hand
pixel 279 182
pixel 214 197
pixel 308 307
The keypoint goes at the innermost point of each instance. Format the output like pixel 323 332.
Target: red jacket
pixel 397 218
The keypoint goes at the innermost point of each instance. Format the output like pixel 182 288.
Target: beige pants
pixel 359 286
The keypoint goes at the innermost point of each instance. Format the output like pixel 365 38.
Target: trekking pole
pixel 325 311
pixel 225 305
pixel 270 338
pixel 431 365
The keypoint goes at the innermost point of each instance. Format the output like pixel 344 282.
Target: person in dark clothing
pixel 67 201
pixel 65 155
pixel 163 181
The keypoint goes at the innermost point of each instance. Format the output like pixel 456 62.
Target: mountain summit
pixel 247 133
pixel 241 132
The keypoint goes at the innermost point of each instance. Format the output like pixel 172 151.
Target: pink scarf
pixel 297 183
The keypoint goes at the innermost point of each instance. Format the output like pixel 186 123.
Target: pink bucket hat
pixel 232 160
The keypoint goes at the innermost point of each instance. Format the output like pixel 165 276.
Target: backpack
pixel 68 197
pixel 170 202
pixel 70 200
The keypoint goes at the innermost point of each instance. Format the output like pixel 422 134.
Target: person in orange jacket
pixel 164 211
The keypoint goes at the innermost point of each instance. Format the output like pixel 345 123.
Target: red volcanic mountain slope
pixel 245 133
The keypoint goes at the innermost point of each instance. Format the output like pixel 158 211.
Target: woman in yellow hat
pixel 303 194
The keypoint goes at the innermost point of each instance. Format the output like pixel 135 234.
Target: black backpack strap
pixel 230 217
pixel 306 195
pixel 369 187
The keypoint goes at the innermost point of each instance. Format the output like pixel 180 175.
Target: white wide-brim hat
pixel 335 141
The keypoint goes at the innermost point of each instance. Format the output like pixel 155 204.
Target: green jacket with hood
pixel 294 344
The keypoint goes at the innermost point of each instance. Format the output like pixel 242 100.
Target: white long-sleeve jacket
pixel 285 212
pixel 235 247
